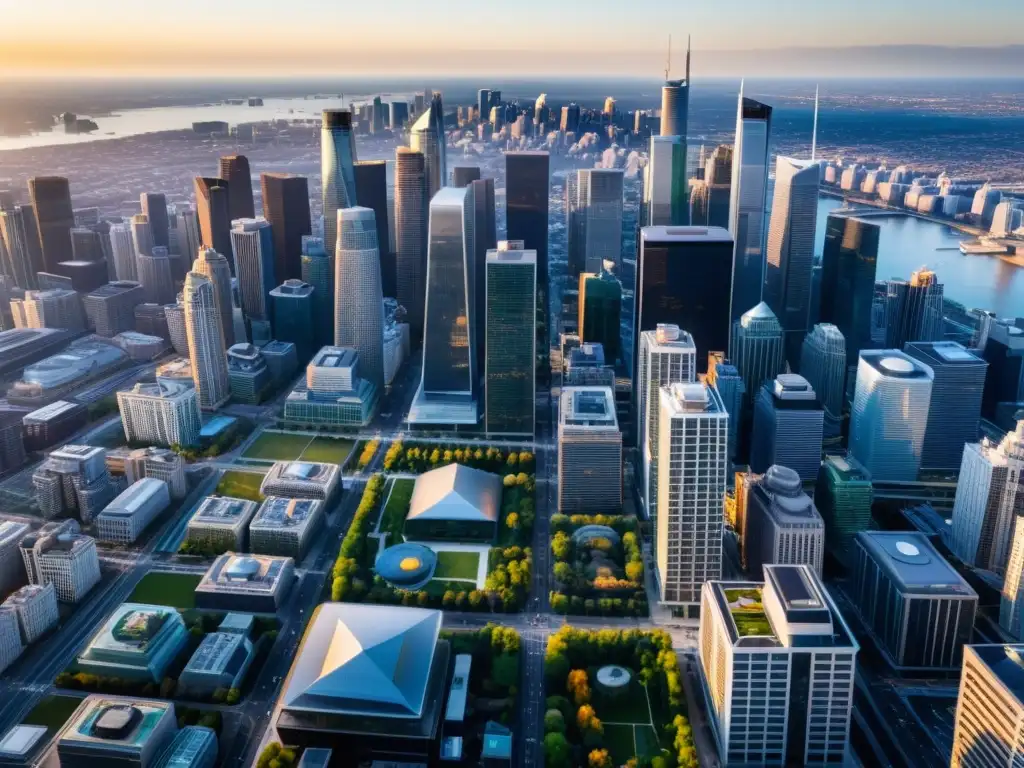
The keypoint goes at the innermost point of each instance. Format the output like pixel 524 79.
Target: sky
pixel 394 37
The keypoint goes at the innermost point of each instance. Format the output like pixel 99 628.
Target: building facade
pixel 589 452
pixel 162 413
pixel 782 525
pixel 788 427
pixel 823 364
pixel 205 336
pixel 359 298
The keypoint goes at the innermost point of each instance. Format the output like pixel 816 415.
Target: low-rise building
pixel 248 374
pixel 332 393
pixel 73 480
pixel 193 747
pixel 162 463
pixel 141 347
pixel 454 503
pixel 36 608
pixel 782 525
pixel 160 413
pixel 132 511
pixel 106 731
pixel 282 360
pixel 137 642
pixel 256 583
pixel 51 379
pixel 220 661
pixel 60 554
pixel 21 745
pixel 285 526
pixel 302 480
pixel 53 424
pixel 221 522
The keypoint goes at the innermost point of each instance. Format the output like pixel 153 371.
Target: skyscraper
pixel 693 426
pixel 986 733
pixel 570 118
pixel 447 392
pixel 600 307
pixel 215 267
pixel 21 241
pixel 54 218
pixel 484 241
pixel 781 524
pixel 527 180
pixel 411 205
pixel 748 196
pixel 593 206
pixel 675 107
pixel 337 169
pixel 86 245
pixel 683 277
pixel 1011 603
pixel 358 300
pixel 483 102
pixel 213 212
pixel 142 235
pixel 726 379
pixel 372 192
pixel 292 304
pixel 913 309
pixel 790 250
pixel 889 414
pixel 234 169
pixel 205 342
pixel 399 114
pixel 464 175
pixel 155 276
pixel 427 136
pixel 154 205
pixel 665 196
pixel 787 427
pixel 286 207
pixel 318 272
pixel 848 266
pixel 843 496
pixel 757 348
pixel 955 409
pixel 253 244
pixel 823 364
pixel 510 303
pixel 718 181
pixel 189 239
pixel 589 452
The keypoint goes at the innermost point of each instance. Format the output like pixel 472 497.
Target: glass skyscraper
pixel 848 266
pixel 318 272
pixel 213 212
pixel 234 169
pixel 756 349
pixel 372 191
pixel 54 218
pixel 593 207
pixel 411 205
pixel 665 196
pixel 527 181
pixel 206 347
pixel 154 205
pixel 215 267
pixel 358 301
pixel 823 364
pixel 292 304
pixel 253 242
pixel 913 309
pixel 843 496
pixel 427 136
pixel 600 310
pixel 286 207
pixel 337 170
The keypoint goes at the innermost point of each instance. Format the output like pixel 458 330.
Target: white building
pixel 161 413
pixel 302 480
pixel 205 337
pixel 127 516
pixel 285 526
pixel 59 554
pixel 693 434
pixel 222 522
pixel 36 608
pixel 10 637
pixel 589 452
pixel 12 573
pixel 782 525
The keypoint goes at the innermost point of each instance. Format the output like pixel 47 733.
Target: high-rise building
pixel 234 169
pixel 12 572
pixel 989 707
pixel 189 238
pixel 286 207
pixel 205 341
pixel 589 452
pixel 511 342
pixel 86 245
pixel 411 219
pixel 358 299
pixel 757 348
pixel 823 364
pixel 215 267
pixel 781 525
pixel 718 180
pixel 213 210
pixel 111 309
pixel 727 381
pixel 913 310
pixel 10 636
pixel 248 374
pixel 318 272
pixel 122 245
pixel 54 217
pixel 694 431
pixel 372 192
pixel 675 106
pixel 570 118
pixel 593 206
pixel 919 610
pixel 788 422
pixel 484 241
pixel 600 308
pixel 483 103
pixel 154 206
pixel 665 197
pixel 292 305
pixel 843 496
pixel 332 394
pixel 1003 350
pixel 684 277
pixel 162 413
pixel 1011 603
pixel 790 249
pixel 527 180
pixel 955 409
pixel 464 175
pixel 778 664
pixel 890 414
pixel 174 316
pixel 989 502
pixel 848 266
pixel 427 136
pixel 399 115
pixel 155 276
pixel 142 234
pixel 24 258
pixel 73 480
pixel 253 244
pixel 447 391
pixel 55 308
pixel 748 198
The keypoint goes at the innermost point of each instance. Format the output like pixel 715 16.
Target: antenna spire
pixel 687 59
pixel 814 133
pixel 668 61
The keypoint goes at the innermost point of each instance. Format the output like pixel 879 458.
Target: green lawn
pixel 277 446
pixel 646 741
pixel 457 565
pixel 241 485
pixel 329 450
pixel 397 508
pixel 53 712
pixel 176 590
pixel 630 707
pixel 618 740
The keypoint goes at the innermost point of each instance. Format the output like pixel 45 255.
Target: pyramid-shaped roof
pixel 456 492
pixel 369 660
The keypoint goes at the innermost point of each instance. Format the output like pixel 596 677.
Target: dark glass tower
pixel 292 310
pixel 509 378
pixel 848 280
pixel 527 181
pixel 286 207
pixel 463 175
pixel 599 312
pixel 154 205
pixel 372 193
pixel 234 169
pixel 411 205
pixel 214 213
pixel 484 240
pixel 318 271
pixel 51 203
pixel 337 170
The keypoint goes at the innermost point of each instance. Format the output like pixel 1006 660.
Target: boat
pixel 984 246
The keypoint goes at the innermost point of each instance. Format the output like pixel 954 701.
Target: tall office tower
pixel 154 206
pixel 12 444
pixel 748 198
pixel 1003 349
pixel 318 272
pixel 252 241
pixel 593 207
pixel 918 608
pixel 142 234
pixel 989 502
pixel 21 240
pixel 781 525
pixel 399 114
pixel 214 214
pixel 848 280
pixel 447 391
pixel 788 424
pixel 372 193
pixel 725 378
pixel 709 197
pixel 215 267
pixel 665 196
pixel 155 276
pixel 765 648
pixel 12 572
pixel 757 348
pixel 122 243
pixel 54 218
pixel 570 118
pixel 485 239
pixel 843 495
pixel 427 136
pixel 419 101
pixel 174 315
pixel 1012 599
pixel 890 413
pixel 527 180
pixel 510 303
pixel 11 646
pixel 234 169
pixel 790 249
pixel 55 308
pixel 377 121
pixel 823 364
pixel 589 452
pixel 667 356
pixel 86 245
pixel 955 409
pixel 292 305
pixel 358 298
pixel 464 175
pixel 286 207
pixel 694 430
pixel 600 306
pixel 205 341
pixel 684 277
pixel 162 413
pixel 483 103
pixel 411 206
pixel 989 708
pixel 189 239
pixel 913 310
pixel 110 309
pixel 675 106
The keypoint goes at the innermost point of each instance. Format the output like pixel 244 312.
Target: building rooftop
pixel 278 512
pixel 19 742
pixel 587 355
pixel 218 652
pixel 685 235
pixel 162 389
pixel 115 288
pixel 670 336
pixel 52 411
pixel 896 364
pixel 302 472
pixel 77 452
pixel 187 745
pixel 1006 663
pixel 293 288
pixel 83 359
pixel 847 468
pixel 789 503
pixel 132 627
pixel 25 594
pixel 127 721
pixel 12 531
pixel 456 492
pixel 588 407
pixel 945 353
pixel 247 573
pixel 912 562
pixel 694 398
pixel 334 357
pixel 223 511
pixel 138 494
pixel 179 367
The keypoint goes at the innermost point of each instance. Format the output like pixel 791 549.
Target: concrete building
pixel 286 526
pixel 777 664
pixel 989 707
pixel 52 424
pixel 253 246
pixel 141 347
pixel 788 427
pixel 174 318
pixel 332 394
pixel 589 452
pixel 256 583
pixel 10 637
pixel 843 496
pixel 782 526
pixel 161 463
pixel 137 642
pixel 302 480
pixel 221 522
pixel 157 276
pixel 693 425
pixel 216 268
pixel 12 574
pixel 162 413
pixel 110 309
pixel 73 479
pixel 36 608
pixel 358 298
pixel 22 744
pixel 205 342
pixel 585 367
pixel 59 554
pixel 53 308
pixel 107 731
pixel 221 661
pixel 127 516
pixel 916 606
